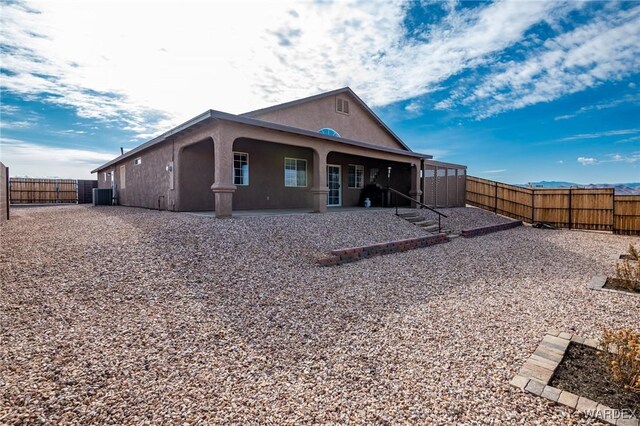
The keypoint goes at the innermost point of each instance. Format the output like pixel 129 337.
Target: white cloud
pixel 633 99
pixel 490 172
pixel 604 134
pixel 36 160
pixel 413 107
pixel 606 49
pixel 11 124
pixel 587 161
pixel 611 158
pixel 560 162
pixel 627 140
pixel 194 55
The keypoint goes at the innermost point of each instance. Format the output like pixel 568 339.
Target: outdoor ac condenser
pixel 102 197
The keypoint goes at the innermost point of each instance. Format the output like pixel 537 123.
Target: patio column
pixel 223 187
pixel 415 191
pixel 319 190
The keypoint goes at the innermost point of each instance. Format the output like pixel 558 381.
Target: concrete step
pixel 430 228
pixel 425 223
pixel 415 219
pixel 453 236
pixel 410 214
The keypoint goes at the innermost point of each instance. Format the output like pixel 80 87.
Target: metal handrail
pixel 440 215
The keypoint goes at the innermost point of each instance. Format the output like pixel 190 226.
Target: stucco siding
pixel 147 183
pixel 320 113
pixel 266 189
pixel 196 171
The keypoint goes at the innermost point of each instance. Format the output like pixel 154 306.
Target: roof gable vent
pixel 342 105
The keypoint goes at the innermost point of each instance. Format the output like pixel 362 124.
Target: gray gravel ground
pixel 125 316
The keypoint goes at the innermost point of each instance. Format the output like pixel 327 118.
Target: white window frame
pixel 287 182
pixel 242 175
pixel 137 161
pixel 356 167
pixel 104 176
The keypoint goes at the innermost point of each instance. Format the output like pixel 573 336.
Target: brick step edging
pixel 476 232
pixel 353 254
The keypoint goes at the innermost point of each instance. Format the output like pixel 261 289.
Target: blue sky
pixel 518 91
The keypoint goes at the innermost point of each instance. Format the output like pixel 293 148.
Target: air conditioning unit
pixel 102 197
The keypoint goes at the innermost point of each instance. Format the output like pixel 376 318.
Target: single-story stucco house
pixel 322 151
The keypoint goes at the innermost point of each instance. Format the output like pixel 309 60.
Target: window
pixel 429 173
pixel 342 106
pixel 240 168
pixel 295 172
pixel 137 161
pixel 442 172
pixel 104 176
pixel 123 177
pixel 329 131
pixel 356 176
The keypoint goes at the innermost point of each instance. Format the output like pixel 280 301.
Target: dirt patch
pixel 621 285
pixel 581 372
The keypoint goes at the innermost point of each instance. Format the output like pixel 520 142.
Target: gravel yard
pixel 125 316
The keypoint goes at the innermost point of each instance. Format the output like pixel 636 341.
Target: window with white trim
pixel 295 172
pixel 356 176
pixel 240 168
pixel 137 161
pixel 104 176
pixel 329 131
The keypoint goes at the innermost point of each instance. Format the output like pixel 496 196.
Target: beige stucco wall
pixel 197 176
pixel 146 183
pixel 266 189
pixel 320 113
pixel 4 195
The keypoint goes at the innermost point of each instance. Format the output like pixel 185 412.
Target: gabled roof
pixel 324 95
pixel 219 115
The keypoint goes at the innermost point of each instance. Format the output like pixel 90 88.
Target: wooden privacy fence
pixel 574 208
pixel 48 191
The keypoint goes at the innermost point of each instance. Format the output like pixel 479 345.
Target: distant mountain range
pixel 620 188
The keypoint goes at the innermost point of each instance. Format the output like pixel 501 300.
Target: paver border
pixel 534 377
pixel 352 254
pixel 597 283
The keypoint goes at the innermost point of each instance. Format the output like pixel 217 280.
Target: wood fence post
pixel 495 198
pixel 570 210
pixel 533 206
pixel 613 212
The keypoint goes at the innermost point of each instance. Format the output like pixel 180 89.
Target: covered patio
pixel 285 170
